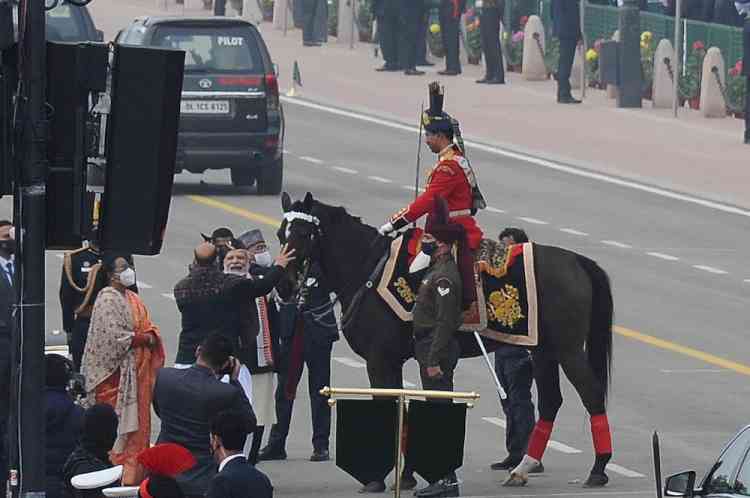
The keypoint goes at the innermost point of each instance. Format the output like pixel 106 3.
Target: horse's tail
pixel 599 341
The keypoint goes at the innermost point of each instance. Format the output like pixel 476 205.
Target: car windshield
pixel 213 50
pixel 742 484
pixel 720 480
pixel 63 24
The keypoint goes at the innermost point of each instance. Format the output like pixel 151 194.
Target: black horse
pixel 575 319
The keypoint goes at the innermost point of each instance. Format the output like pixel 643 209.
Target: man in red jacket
pixel 452 177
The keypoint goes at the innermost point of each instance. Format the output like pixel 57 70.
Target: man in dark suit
pixel 388 14
pixel 567 27
pixel 310 12
pixel 237 478
pixel 489 28
pixel 422 38
pixel 186 399
pixel 411 20
pixel 450 19
pixel 7 301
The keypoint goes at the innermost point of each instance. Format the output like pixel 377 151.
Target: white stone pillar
pixel 279 8
pixel 712 101
pixel 347 30
pixel 533 68
pixel 661 93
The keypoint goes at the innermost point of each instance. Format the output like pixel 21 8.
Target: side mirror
pixel 682 484
pixel 99 35
pixel 276 69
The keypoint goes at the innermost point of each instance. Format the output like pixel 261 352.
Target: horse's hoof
pixel 373 487
pixel 515 480
pixel 596 481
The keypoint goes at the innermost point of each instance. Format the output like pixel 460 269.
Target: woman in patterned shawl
pixel 122 355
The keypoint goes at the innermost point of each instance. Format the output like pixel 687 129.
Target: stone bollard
pixel 347 27
pixel 533 67
pixel 712 100
pixel 251 12
pixel 612 90
pixel 575 76
pixel 663 86
pixel 279 6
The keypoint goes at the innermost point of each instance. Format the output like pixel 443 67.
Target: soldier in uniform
pixel 452 177
pixel 450 19
pixel 437 317
pixel 79 286
pixel 388 14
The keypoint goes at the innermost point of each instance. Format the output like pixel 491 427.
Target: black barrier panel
pixel 366 438
pixel 437 431
pixel 8 85
pixel 141 148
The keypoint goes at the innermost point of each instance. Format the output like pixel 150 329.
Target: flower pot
pixel 695 103
pixel 739 114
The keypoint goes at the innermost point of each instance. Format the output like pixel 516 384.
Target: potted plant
pixel 690 80
pixel 515 50
pixel 266 7
pixel 552 56
pixel 473 36
pixel 592 64
pixel 648 48
pixel 364 21
pixel 736 91
pixel 435 40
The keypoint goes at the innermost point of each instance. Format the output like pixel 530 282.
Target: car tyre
pixel 242 177
pixel 270 178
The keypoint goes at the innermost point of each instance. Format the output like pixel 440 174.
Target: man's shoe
pixel 439 489
pixel 311 44
pixel 387 68
pixel 270 453
pixel 483 80
pixel 507 464
pixel 320 456
pixel 449 72
pixel 414 72
pixel 539 469
pixel 408 482
pixel 425 64
pixel 496 81
pixel 747 140
pixel 373 487
pixel 567 99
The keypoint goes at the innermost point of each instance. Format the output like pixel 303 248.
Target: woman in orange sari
pixel 122 355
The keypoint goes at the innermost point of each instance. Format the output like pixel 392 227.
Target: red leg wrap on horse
pixel 601 434
pixel 539 438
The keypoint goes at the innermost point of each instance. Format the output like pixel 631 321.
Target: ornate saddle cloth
pixel 506 309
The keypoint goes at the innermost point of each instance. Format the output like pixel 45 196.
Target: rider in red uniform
pixel 452 176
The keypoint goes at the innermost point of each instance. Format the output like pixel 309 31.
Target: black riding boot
pixel 598 478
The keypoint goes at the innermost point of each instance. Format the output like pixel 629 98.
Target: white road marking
pixel 379 179
pixel 409 384
pixel 660 255
pixel 614 243
pixel 623 471
pixel 61 256
pixel 533 221
pixel 574 232
pixel 348 171
pixel 144 285
pixel 311 160
pixel 747 280
pixel 494 210
pixel 349 362
pixel 710 269
pixel 572 170
pixel 287 151
pixel 555 445
pixel 411 187
pixel 693 370
pixel 168 296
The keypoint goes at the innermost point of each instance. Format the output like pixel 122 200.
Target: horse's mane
pixel 335 215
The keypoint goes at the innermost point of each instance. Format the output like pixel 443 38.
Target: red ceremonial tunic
pixel 447 179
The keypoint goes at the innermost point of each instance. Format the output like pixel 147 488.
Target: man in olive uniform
pixel 743 8
pixel 450 22
pixel 437 317
pixel 78 291
pixel 388 13
pixel 411 20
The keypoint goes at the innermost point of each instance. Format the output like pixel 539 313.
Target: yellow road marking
pixel 623 331
pixel 244 213
pixel 684 350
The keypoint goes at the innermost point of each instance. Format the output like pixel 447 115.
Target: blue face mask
pixel 429 247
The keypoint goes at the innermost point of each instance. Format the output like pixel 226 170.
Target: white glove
pixel 386 229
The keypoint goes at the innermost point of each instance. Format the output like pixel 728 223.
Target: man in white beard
pixel 259 337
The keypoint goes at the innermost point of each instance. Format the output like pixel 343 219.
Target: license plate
pixel 204 107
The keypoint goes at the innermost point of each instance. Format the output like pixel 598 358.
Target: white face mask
pixel 264 259
pixel 127 277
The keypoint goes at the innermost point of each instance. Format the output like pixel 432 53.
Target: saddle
pixel 506 305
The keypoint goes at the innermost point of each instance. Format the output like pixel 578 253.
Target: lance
pixel 419 152
pixel 499 387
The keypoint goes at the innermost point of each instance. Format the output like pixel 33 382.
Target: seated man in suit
pixel 237 478
pixel 186 399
